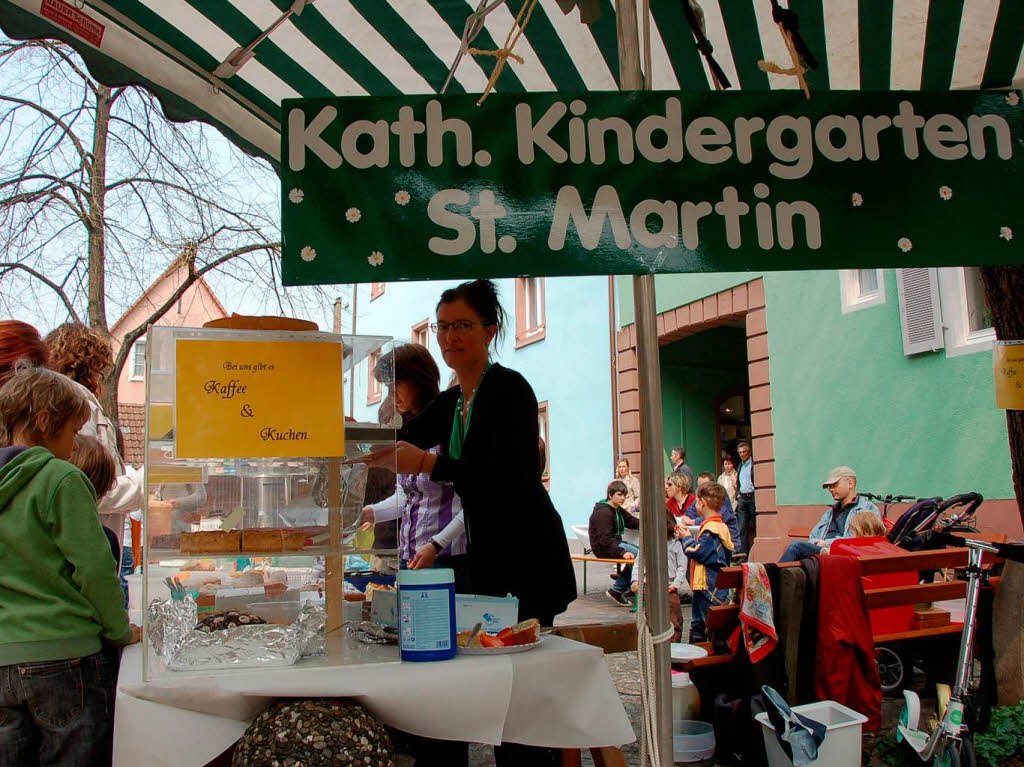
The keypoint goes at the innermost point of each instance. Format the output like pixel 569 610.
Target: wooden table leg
pixel 571 757
pixel 608 756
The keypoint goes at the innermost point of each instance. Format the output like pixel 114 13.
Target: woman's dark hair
pixel 670 518
pixel 412 363
pixel 482 298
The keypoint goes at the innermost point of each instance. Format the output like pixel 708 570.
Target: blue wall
pixel 569 368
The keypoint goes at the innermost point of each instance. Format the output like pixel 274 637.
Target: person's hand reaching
pixel 424 557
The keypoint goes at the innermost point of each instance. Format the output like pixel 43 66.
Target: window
pixel 373 386
pixel 978 317
pixel 861 288
pixel 542 422
pixel 529 310
pixel 965 315
pixel 421 333
pixel 138 360
pixel 376 290
pixel 920 310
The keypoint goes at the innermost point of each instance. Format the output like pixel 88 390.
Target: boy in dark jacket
pixel 708 553
pixel 607 523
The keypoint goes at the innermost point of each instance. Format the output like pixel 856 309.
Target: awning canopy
pixel 193 53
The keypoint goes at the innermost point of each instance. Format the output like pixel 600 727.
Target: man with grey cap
pixel 835 522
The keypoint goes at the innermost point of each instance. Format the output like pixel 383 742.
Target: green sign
pixel 426 187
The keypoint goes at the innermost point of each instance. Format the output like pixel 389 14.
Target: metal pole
pixel 652 510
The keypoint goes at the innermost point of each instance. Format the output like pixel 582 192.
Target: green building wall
pixel 695 373
pixel 843 392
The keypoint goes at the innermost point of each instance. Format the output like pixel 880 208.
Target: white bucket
pixel 692 741
pixel 685 698
pixel 841 746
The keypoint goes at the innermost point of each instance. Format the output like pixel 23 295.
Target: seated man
pixel 727 512
pixel 835 522
pixel 608 520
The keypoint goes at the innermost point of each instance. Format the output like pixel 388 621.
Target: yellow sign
pixel 161 420
pixel 258 399
pixel 1009 374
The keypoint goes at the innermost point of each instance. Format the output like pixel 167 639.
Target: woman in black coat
pixel 487 427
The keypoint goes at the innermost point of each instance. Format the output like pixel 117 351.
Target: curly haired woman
pixel 84 356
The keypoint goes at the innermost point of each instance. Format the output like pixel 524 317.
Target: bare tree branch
pixel 7 267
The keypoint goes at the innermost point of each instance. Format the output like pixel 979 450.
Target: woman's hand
pixel 136 635
pixel 367 518
pixel 403 457
pixel 424 557
pixel 672 589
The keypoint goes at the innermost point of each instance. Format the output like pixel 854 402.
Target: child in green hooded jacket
pixel 60 599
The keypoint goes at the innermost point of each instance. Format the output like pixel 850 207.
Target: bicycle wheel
pixel 956 754
pixel 967 757
pixel 949 756
pixel 891 669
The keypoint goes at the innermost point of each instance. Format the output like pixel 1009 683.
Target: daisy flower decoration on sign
pixel 904 244
pixel 296 195
pixel 307 253
pixel 1006 233
pixel 945 193
pixel 375 259
pixel 856 199
pixel 402 197
pixel 1013 98
pixel 352 215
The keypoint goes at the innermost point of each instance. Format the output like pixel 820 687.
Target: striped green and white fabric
pixel 390 47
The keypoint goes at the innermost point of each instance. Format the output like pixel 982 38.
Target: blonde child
pixel 58 583
pixel 676 577
pixel 866 524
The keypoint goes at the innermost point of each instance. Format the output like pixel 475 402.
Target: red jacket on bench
pixel 845 658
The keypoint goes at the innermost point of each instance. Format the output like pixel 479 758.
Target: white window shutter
pixel 920 311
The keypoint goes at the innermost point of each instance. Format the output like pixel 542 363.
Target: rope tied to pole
pixel 695 18
pixel 504 53
pixel 800 55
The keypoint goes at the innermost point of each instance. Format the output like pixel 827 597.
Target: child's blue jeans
pixel 57 713
pixel 702 600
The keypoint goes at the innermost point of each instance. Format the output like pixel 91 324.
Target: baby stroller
pixel 913 530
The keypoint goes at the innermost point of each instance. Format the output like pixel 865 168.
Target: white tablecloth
pixel 558 695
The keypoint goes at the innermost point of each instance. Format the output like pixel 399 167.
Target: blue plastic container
pixel 426 614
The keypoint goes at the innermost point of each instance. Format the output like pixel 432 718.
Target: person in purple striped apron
pixel 432 532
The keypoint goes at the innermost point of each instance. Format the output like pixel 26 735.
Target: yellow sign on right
pixel 1008 359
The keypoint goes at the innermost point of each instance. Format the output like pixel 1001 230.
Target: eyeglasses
pixel 459 326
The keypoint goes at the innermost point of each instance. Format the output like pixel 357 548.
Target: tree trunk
pixel 1004 286
pixel 97 241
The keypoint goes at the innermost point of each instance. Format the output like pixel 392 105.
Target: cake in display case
pixel 256 483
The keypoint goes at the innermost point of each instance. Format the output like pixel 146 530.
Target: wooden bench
pixel 722 620
pixel 585 558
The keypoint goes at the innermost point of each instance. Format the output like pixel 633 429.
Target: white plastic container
pixel 841 747
pixel 426 614
pixel 685 698
pixel 692 741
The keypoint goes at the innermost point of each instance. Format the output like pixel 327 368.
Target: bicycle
pixel 951 743
pixel 887 501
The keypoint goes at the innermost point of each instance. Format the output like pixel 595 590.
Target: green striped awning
pixel 177 48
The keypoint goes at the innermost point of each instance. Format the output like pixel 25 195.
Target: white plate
pixel 683 651
pixel 499 650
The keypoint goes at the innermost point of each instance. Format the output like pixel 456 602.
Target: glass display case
pixel 256 488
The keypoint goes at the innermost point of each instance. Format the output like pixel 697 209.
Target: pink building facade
pixel 196 306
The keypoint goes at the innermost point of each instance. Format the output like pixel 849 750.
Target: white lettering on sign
pixel 677 220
